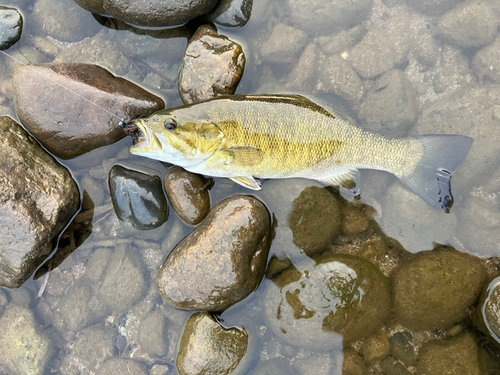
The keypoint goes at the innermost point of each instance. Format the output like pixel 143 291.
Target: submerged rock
pixel 138 198
pixel 213 65
pixel 433 7
pixel 68 123
pixel 11 26
pixel 188 194
pixel 321 305
pixel 38 198
pixel 231 13
pixel 222 261
pixel 284 45
pixel 491 309
pixel 486 62
pixel 150 13
pixel 434 290
pixel 25 350
pixel 207 348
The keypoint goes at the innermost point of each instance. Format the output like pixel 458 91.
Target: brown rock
pixel 222 261
pixel 38 197
pixel 188 194
pixel 75 108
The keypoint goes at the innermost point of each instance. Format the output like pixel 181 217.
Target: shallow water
pixel 472 226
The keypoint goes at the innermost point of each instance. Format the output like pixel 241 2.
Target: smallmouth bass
pixel 244 137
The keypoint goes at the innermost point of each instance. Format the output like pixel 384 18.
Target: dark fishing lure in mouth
pixel 132 130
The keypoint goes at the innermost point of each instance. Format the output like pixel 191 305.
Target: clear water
pixel 472 226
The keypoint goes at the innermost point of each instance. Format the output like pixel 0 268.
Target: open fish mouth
pixel 133 130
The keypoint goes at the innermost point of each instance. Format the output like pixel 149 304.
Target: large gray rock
pixel 222 261
pixel 213 65
pixel 11 26
pixel 80 108
pixel 283 45
pixel 433 7
pixel 207 348
pixel 150 13
pixel 38 198
pixel 486 62
pixel 25 350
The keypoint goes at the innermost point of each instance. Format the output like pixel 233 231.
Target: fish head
pixel 177 139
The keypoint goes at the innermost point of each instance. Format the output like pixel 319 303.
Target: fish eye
pixel 170 124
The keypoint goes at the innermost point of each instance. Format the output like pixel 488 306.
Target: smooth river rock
pixel 207 348
pixel 188 194
pixel 222 261
pixel 38 198
pixel 231 13
pixel 213 65
pixel 150 12
pixel 491 309
pixel 11 26
pixel 137 198
pixel 74 108
pixel 320 305
pixel 434 290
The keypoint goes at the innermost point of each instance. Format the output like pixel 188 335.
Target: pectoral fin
pixel 242 156
pixel 248 182
pixel 348 180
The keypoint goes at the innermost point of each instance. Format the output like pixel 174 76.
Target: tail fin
pixel 441 156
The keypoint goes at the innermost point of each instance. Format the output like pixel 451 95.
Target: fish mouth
pixel 138 134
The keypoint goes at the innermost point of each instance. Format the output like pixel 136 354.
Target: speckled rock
pixel 384 46
pixel 231 13
pixel 284 45
pixel 138 198
pixel 486 62
pixel 434 290
pixel 329 17
pixel 222 261
pixel 25 350
pixel 11 26
pixel 433 7
pixel 321 306
pixel 470 24
pixel 38 199
pixel 449 357
pixel 391 105
pixel 188 194
pixel 65 123
pixel 63 20
pixel 150 13
pixel 213 65
pixel 207 348
pixel 315 220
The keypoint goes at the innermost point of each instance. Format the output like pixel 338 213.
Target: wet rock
pixel 486 62
pixel 391 105
pixel 433 7
pixel 329 17
pixel 434 290
pixel 491 309
pixel 11 26
pixel 150 13
pixel 283 45
pixel 453 71
pixel 160 370
pixel 87 353
pixel 213 65
pixel 188 194
pixel 470 24
pixel 472 111
pixel 402 347
pixel 38 198
pixel 353 363
pixel 231 13
pixel 208 348
pixel 123 283
pixel 384 46
pixel 392 366
pixel 449 357
pixel 222 261
pixel 315 220
pixel 121 366
pixel 274 367
pixel 321 305
pixel 63 20
pixel 65 123
pixel 25 350
pixel 138 198
pixel 375 347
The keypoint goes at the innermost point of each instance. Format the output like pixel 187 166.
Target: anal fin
pixel 248 182
pixel 348 180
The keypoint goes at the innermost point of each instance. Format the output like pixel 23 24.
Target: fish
pixel 250 137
